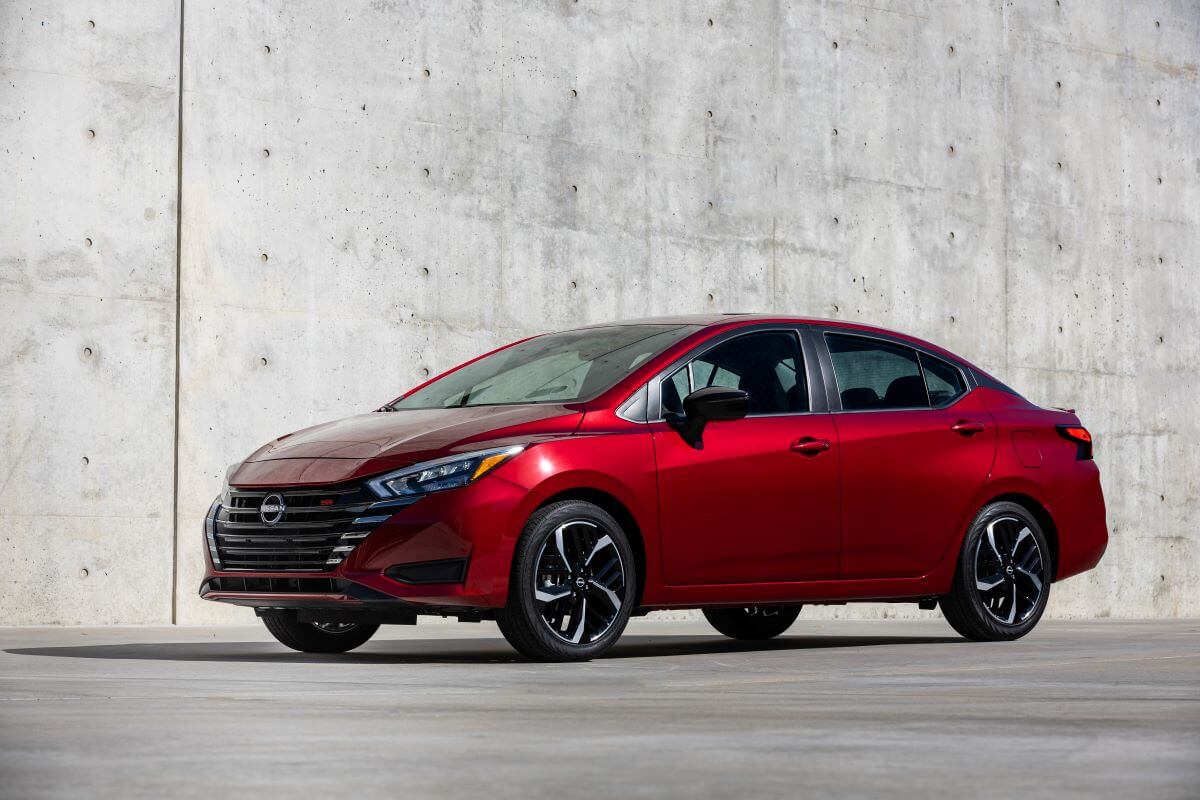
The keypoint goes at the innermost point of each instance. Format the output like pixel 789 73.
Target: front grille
pixel 315 532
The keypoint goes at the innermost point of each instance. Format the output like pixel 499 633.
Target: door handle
pixel 810 447
pixel 967 428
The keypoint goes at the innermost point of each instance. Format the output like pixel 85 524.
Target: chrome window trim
pixel 835 396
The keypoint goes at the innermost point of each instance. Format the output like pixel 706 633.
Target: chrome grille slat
pixel 309 537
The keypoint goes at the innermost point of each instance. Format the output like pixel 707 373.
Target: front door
pixel 758 501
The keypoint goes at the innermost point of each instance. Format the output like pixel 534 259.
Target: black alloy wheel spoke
pixel 579 585
pixel 1010 573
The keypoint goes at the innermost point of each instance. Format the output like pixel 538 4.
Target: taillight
pixel 1081 437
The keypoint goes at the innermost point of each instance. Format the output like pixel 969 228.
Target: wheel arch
pixel 1040 513
pixel 624 517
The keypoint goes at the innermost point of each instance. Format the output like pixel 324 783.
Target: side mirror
pixel 711 404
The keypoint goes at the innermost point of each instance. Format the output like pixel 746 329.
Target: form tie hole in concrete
pixel 574 188
pixel 91 133
pixel 87 242
pixel 710 23
pixel 267 49
pixel 1160 340
pixel 264 256
pixel 952 319
pixel 87 352
pixel 1060 329
pixel 708 114
pixel 85 460
pixel 424 372
pixel 424 272
pixel 835 131
pixel 1157 24
pixel 1058 84
pixel 364 106
pixel 951 234
pixel 426 171
pixel 83 572
pixel 950 149
pixel 574 93
pixel 266 153
pixel 835 45
pixel 711 298
pixel 91 23
pixel 574 285
pixel 262 361
pixel 1060 247
pixel 1158 101
pixel 950 49
pixel 1058 164
pixel 836 221
pixel 1160 259
pixel 1159 179
pixel 837 309
pixel 710 203
pixel 426 73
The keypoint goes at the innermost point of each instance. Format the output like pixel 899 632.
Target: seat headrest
pixel 907 391
pixel 865 397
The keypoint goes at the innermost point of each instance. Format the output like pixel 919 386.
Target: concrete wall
pixel 375 191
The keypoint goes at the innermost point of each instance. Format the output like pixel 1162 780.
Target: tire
pixel 308 638
pixel 754 623
pixel 1002 581
pixel 572 586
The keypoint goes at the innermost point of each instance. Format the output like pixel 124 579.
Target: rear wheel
pixel 752 622
pixel 318 637
pixel 573 584
pixel 1002 582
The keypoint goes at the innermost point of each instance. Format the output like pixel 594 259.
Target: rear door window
pixel 876 375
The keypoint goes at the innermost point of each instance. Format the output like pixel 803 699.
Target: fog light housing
pixel 448 570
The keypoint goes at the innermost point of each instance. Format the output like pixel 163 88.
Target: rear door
pixel 758 501
pixel 916 445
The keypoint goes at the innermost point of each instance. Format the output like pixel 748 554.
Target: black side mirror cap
pixel 710 404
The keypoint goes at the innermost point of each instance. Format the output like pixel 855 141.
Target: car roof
pixel 731 317
pixel 739 318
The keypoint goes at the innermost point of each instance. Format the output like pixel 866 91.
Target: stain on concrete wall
pixel 378 190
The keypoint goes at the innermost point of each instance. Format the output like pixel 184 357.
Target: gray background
pixel 1017 181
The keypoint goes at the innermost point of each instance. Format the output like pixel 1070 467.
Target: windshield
pixel 555 368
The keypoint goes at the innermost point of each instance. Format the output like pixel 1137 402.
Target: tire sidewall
pixel 537 531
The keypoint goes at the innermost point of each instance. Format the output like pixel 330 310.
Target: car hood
pixel 375 442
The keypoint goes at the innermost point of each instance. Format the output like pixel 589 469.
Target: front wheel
pixel 318 637
pixel 753 622
pixel 573 584
pixel 1003 577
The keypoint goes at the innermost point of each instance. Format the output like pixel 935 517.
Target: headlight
pixel 444 473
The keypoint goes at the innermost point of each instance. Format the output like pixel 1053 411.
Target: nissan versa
pixel 743 465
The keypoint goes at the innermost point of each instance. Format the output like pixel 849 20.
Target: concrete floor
pixel 837 707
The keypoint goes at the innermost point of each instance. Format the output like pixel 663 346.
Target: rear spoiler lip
pixel 1060 408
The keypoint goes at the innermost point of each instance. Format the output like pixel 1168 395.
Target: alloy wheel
pixel 335 627
pixel 579 582
pixel 1010 571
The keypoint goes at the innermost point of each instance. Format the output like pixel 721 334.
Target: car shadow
pixel 451 651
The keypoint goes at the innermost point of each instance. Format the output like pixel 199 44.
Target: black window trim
pixel 817 403
pixel 834 397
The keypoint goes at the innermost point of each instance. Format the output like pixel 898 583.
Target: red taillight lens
pixel 1080 436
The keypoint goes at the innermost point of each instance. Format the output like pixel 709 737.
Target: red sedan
pixel 743 465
